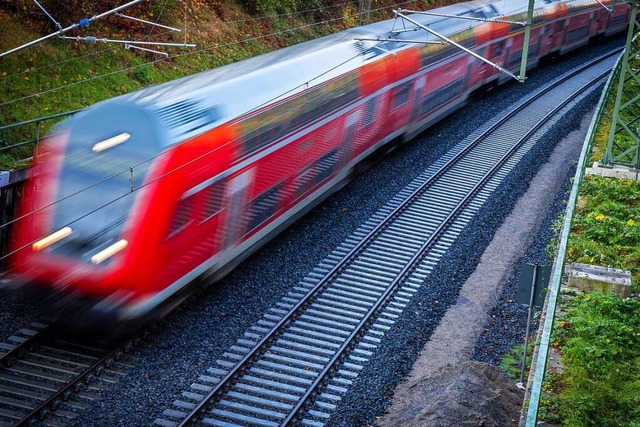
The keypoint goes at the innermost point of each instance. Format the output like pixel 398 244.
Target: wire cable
pixel 246 40
pixel 179 144
pixel 174 170
pixel 109 49
pixel 182 166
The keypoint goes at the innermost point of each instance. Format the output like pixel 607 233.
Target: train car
pixel 137 196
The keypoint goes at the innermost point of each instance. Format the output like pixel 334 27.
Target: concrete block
pixel 616 171
pixel 595 278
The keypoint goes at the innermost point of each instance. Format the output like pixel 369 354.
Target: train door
pixel 417 100
pixel 348 142
pixel 478 70
pixel 236 194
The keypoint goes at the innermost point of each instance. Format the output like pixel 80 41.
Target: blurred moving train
pixel 137 196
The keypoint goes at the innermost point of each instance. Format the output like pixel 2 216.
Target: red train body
pixel 187 178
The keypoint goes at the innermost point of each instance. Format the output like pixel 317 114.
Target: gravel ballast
pixel 191 339
pixel 453 342
pixel 370 395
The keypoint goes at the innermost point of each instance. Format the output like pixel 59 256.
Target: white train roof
pixel 190 105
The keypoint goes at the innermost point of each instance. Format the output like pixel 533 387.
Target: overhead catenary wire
pixel 229 22
pixel 119 173
pixel 180 167
pixel 245 40
pixel 193 52
pixel 176 169
pixel 196 27
pixel 82 23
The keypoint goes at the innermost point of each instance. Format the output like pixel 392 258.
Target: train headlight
pixel 52 238
pixel 109 252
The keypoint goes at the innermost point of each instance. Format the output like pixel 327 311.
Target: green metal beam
pixel 623 144
pixel 525 46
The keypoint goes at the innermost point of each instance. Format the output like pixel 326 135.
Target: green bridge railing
pixel 28 133
pixel 539 365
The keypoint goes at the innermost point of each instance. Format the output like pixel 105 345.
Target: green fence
pixel 540 362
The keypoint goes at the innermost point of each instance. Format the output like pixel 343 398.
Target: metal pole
pixel 459 46
pixel 93 39
pixel 400 41
pixel 82 23
pixel 525 46
pixel 608 154
pixel 526 334
pixel 122 15
pixel 58 26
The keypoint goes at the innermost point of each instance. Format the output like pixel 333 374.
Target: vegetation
pixel 623 140
pixel 599 336
pixel 606 226
pixel 512 361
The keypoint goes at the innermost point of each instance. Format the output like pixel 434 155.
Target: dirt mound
pixel 468 394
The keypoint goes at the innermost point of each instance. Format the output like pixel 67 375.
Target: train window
pixel 262 207
pixel 183 215
pixel 280 120
pixel 559 27
pixel 577 34
pixel 213 200
pixel 401 95
pixel 514 59
pixel 618 20
pixel 369 112
pixel 432 53
pixel 327 165
pixel 498 49
pixel 304 181
pixel 434 100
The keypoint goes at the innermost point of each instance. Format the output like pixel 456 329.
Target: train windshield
pixel 105 163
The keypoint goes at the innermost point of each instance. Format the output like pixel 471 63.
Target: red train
pixel 139 195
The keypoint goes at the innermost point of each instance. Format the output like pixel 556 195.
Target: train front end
pixel 79 217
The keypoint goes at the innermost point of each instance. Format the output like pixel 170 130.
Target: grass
pixel 511 363
pixel 599 336
pixel 606 226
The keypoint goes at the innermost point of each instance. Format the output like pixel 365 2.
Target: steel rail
pixel 225 382
pixel 61 393
pixel 20 348
pixel 45 336
pixel 413 262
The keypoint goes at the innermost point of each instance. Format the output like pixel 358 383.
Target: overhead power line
pixel 93 39
pixel 179 167
pixel 80 24
pixel 204 24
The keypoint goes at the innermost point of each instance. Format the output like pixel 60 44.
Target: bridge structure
pixel 623 143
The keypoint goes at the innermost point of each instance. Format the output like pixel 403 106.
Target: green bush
pixel 280 6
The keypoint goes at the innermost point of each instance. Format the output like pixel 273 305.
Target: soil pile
pixel 468 394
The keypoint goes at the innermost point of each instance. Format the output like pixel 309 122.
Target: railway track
pixel 48 378
pixel 293 366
